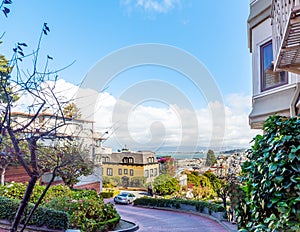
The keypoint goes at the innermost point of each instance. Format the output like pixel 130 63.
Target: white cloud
pixel 150 127
pixel 159 6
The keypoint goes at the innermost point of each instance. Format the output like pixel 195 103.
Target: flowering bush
pixel 86 209
pixel 167 165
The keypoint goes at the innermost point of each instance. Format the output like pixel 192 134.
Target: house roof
pixel 47 114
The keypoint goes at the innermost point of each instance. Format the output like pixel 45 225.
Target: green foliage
pixel 16 191
pixel 109 193
pixel 86 209
pixel 215 182
pixel 71 111
pixel 177 203
pixel 7 94
pixel 111 181
pixel 199 180
pixel 52 219
pixel 203 187
pixel 138 181
pixel 84 212
pixel 70 156
pixel 272 180
pixel 164 184
pixel 210 158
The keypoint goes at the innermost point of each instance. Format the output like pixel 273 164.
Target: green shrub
pixel 85 213
pixel 52 219
pixel 85 208
pixel 109 193
pixel 175 203
pixel 271 199
pixel 164 184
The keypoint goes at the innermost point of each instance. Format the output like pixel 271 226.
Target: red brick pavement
pixel 167 221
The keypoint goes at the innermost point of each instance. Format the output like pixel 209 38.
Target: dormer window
pixel 151 160
pixel 129 160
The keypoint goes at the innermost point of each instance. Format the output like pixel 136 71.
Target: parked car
pixel 125 198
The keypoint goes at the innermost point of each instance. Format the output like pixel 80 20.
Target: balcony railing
pixel 286 35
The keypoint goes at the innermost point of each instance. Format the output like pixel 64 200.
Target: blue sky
pixel 215 33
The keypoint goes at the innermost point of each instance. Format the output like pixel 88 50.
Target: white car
pixel 125 198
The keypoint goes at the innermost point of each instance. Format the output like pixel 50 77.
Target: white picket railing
pixel 281 12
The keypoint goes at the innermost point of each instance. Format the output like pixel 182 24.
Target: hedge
pixel 86 209
pixel 110 193
pixel 176 203
pixel 52 219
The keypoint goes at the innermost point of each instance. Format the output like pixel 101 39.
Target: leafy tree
pixel 214 180
pixel 203 187
pixel 5 84
pixel 272 179
pixel 198 180
pixel 210 158
pixel 165 184
pixel 71 159
pixel 31 83
pixel 71 111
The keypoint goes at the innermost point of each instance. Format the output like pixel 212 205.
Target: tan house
pixel 131 169
pixel 274 41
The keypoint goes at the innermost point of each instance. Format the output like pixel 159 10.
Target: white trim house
pixel 274 41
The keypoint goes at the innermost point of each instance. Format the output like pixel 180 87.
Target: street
pixel 161 220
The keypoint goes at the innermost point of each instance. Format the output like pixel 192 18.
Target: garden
pixel 60 209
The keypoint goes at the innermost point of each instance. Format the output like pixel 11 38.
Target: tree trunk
pixel 3 176
pixel 224 201
pixel 24 203
pixel 39 200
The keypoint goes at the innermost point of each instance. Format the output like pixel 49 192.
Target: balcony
pixel 286 35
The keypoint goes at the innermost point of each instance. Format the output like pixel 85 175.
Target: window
pixel 130 160
pixel 120 171
pixel 125 160
pixel 151 172
pixel 155 171
pixel 125 171
pixel 146 173
pixel 151 160
pixel 109 172
pixel 131 172
pixel 269 79
pixel 105 159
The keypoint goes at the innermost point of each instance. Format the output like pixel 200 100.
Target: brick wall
pixel 17 174
pixel 94 186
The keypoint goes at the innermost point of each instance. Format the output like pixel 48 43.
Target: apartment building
pixel 130 168
pixel 274 42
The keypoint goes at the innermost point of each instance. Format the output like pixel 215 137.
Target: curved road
pixel 163 221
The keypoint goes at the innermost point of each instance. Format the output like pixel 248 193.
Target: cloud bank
pixel 152 127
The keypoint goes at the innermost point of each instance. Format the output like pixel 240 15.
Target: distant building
pixel 66 127
pixel 228 165
pixel 273 40
pixel 131 169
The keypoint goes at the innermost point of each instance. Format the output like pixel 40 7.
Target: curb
pixel 190 212
pixel 135 227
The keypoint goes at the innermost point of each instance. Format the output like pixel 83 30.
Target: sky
pixel 151 104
